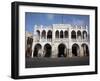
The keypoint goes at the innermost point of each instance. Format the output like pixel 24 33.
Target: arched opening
pixel 49 34
pixel 84 35
pixel 79 34
pixel 38 33
pixel 29 47
pixel 36 50
pixel 43 34
pixel 61 34
pixel 75 50
pixel 66 34
pixel 85 49
pixel 57 34
pixel 47 50
pixel 29 41
pixel 61 50
pixel 73 34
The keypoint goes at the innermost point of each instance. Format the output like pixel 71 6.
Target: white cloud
pixel 78 22
pixel 50 16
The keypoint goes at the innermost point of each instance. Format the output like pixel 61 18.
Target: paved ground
pixel 53 62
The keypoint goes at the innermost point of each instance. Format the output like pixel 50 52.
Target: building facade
pixel 60 40
pixel 28 44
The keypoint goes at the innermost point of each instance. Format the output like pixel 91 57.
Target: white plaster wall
pixel 68 42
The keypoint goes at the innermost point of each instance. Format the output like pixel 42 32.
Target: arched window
pixel 49 34
pixel 57 34
pixel 84 34
pixel 38 33
pixel 66 34
pixel 79 34
pixel 73 34
pixel 43 34
pixel 61 34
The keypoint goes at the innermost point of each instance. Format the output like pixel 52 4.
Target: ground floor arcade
pixel 60 50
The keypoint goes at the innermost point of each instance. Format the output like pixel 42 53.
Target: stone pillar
pixel 32 50
pixel 53 34
pixel 54 51
pixel 70 53
pixel 76 36
pixel 78 52
pixel 69 37
pixel 69 43
pixel 59 34
pixel 46 36
pixel 66 52
pixel 63 35
pixel 43 53
pixel 81 51
pixel 32 54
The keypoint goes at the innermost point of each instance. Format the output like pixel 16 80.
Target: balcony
pixel 61 39
pixel 46 40
pixel 80 40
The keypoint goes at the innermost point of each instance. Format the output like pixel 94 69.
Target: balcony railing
pixel 73 40
pixel 46 40
pixel 80 40
pixel 62 39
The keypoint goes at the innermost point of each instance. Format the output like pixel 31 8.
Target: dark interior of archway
pixel 43 34
pixel 74 50
pixel 61 49
pixel 87 51
pixel 48 50
pixel 49 36
pixel 35 52
pixel 36 49
pixel 57 34
pixel 61 34
pixel 73 36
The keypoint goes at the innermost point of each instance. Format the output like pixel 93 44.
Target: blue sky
pixel 47 19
